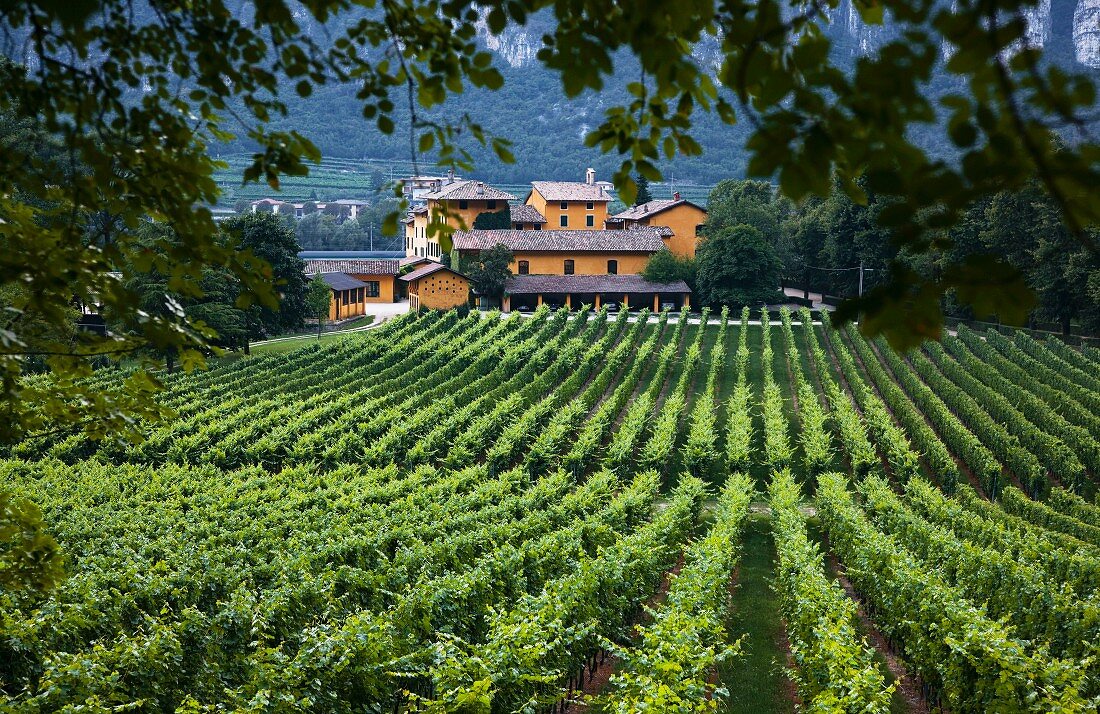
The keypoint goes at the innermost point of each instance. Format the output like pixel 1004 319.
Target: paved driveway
pixel 382 311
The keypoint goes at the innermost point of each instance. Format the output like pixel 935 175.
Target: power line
pixel 838 270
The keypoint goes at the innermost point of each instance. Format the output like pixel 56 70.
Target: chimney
pixel 676 196
pixel 451 175
pixel 590 176
pixel 480 188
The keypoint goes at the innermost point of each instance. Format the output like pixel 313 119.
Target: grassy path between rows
pixel 757 679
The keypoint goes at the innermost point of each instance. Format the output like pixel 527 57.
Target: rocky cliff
pixel 1075 23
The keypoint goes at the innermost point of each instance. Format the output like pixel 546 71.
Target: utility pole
pixel 861 278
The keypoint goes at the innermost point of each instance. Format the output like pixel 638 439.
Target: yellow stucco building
pixel 682 219
pixel 436 287
pixel 378 276
pixel 562 266
pixel 570 205
pixel 456 203
pixel 348 296
pixel 567 252
pixel 561 236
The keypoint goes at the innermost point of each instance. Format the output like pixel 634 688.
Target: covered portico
pixel 571 291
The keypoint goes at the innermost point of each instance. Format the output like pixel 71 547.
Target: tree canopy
pixel 666 267
pixel 643 195
pixel 736 266
pixel 318 301
pixel 275 243
pixel 494 220
pixel 489 270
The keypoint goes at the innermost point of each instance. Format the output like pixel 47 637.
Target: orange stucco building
pixel 526 217
pixel 569 205
pixel 348 296
pixel 566 252
pixel 572 267
pixel 436 287
pixel 456 203
pixel 571 291
pixel 682 219
pixel 378 276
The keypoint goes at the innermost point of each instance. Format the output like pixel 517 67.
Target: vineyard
pixel 562 512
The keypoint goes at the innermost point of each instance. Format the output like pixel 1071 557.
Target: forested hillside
pixel 548 129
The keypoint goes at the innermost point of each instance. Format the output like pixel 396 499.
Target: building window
pixel 569 267
pixel 536 226
pixel 463 205
pixel 524 267
pixel 564 221
pixel 373 288
pixel 491 205
pixel 612 267
pixel 589 221
pixel 590 205
pixel 565 205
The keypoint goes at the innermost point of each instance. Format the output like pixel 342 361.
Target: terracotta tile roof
pixel 356 267
pixel 341 281
pixel 639 240
pixel 411 260
pixel 524 213
pixel 615 284
pixel 644 210
pixel 570 191
pixel 471 190
pixel 428 270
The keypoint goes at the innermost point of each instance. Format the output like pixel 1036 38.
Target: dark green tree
pixel 274 243
pixel 494 220
pixel 1024 226
pixel 666 267
pixel 755 203
pixel 643 195
pixel 318 301
pixel 489 270
pixel 210 306
pixel 807 235
pixel 737 266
